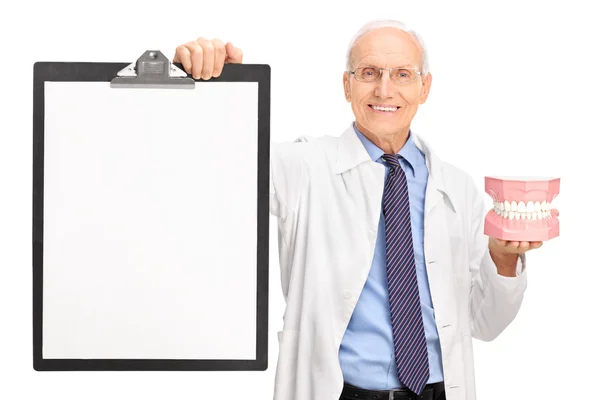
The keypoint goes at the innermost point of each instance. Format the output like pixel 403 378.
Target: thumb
pixel 234 54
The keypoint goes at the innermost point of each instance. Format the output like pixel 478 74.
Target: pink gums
pixel 525 190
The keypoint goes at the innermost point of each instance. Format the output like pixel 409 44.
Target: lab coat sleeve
pixel 495 299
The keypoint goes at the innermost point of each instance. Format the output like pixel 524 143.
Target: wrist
pixel 506 264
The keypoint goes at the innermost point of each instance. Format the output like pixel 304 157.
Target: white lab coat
pixel 326 193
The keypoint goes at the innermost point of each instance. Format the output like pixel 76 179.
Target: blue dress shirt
pixel 367 349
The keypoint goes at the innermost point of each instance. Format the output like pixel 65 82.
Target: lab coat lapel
pixel 364 183
pixel 437 248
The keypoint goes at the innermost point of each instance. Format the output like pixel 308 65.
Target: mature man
pixel 385 268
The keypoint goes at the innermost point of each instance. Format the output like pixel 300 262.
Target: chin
pixel 384 127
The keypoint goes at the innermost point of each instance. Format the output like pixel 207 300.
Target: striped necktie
pixel 405 309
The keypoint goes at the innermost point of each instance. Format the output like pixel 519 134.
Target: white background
pixel 515 92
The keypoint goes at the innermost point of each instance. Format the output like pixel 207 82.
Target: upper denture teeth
pixel 530 207
pixel 523 211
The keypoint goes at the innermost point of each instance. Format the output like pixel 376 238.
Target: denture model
pixel 522 208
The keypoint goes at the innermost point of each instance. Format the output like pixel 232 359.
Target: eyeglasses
pixel 373 74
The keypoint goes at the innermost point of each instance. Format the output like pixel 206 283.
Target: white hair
pixel 368 27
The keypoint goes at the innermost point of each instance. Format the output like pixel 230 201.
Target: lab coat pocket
pixel 285 379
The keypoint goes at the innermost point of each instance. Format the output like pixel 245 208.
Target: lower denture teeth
pixel 511 215
pixel 539 214
pixel 528 215
pixel 533 216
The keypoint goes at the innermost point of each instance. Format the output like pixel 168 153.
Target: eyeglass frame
pixel 419 74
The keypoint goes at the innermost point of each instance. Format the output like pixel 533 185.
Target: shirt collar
pixel 350 153
pixel 410 152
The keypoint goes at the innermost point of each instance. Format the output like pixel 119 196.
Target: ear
pixel 347 86
pixel 425 88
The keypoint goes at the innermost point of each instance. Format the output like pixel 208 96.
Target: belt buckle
pixel 392 391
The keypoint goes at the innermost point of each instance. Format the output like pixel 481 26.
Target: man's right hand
pixel 203 58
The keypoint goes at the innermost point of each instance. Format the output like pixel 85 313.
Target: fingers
pixel 220 55
pixel 518 247
pixel 208 51
pixel 191 56
pixel 203 58
pixel 501 242
pixel 183 56
pixel 234 54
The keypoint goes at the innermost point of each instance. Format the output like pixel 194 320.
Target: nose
pixel 385 86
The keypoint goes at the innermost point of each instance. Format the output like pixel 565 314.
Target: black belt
pixel 432 391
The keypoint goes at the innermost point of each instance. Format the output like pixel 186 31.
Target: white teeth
pixel 530 207
pixel 521 211
pixel 385 108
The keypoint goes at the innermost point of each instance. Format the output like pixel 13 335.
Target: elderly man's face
pixel 386 47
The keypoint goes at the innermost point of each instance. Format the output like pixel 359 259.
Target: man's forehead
pixel 389 59
pixel 387 46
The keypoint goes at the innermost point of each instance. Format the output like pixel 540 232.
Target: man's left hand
pixel 505 254
pixel 504 247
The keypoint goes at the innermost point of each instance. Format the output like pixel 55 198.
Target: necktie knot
pixel 391 159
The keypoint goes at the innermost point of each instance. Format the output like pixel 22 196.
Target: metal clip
pixel 152 70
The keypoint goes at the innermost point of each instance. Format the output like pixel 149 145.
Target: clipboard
pixel 150 216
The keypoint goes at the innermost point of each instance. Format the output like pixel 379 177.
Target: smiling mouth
pixel 384 109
